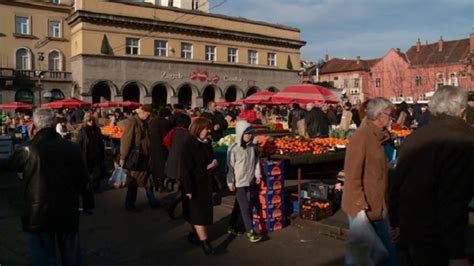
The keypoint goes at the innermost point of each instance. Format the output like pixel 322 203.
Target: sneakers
pixel 232 231
pixel 254 237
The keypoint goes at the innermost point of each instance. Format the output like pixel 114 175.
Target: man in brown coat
pixel 136 134
pixel 365 169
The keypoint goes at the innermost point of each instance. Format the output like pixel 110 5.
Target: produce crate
pixel 272 168
pixel 324 189
pixel 316 209
pixel 267 225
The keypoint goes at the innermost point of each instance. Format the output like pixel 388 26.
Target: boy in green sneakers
pixel 243 166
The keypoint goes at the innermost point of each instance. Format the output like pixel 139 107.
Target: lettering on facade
pixel 233 79
pixel 167 75
pixel 204 76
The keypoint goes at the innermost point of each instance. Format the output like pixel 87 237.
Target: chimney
pixel 326 57
pixel 358 59
pixel 418 46
pixel 471 41
pixel 440 44
pixel 397 49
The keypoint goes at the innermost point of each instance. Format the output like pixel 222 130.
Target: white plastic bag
pixel 118 178
pixel 363 245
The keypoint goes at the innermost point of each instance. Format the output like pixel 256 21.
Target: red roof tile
pixel 453 52
pixel 344 65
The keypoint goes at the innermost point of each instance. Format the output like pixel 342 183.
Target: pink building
pixel 410 76
pixel 352 76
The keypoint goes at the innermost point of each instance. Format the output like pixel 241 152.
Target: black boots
pixel 207 248
pixel 193 238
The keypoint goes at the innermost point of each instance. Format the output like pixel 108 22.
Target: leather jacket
pixel 54 176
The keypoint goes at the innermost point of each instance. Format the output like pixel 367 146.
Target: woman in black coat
pixel 89 139
pixel 196 184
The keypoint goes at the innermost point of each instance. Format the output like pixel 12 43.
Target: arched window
pixel 55 61
pixel 23 59
pixel 57 94
pixel 25 96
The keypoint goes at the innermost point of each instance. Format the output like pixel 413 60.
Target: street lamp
pixel 40 74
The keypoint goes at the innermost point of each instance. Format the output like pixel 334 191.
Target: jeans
pixel 43 248
pixel 241 207
pixel 131 197
pixel 381 228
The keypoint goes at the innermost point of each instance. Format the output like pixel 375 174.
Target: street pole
pixel 40 74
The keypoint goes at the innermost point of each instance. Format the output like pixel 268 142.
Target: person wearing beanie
pixel 243 169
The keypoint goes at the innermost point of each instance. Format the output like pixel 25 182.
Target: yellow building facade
pixel 34 51
pixel 149 51
pixel 156 54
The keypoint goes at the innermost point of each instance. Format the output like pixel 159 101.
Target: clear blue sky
pixel 369 28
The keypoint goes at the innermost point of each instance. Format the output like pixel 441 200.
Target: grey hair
pixel 44 118
pixel 376 107
pixel 448 100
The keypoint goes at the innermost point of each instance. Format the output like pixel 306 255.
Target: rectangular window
pixel 346 83
pixel 378 83
pixel 22 25
pixel 161 48
pixel 232 55
pixel 253 57
pixel 195 5
pixel 186 50
pixel 170 3
pixel 271 59
pixel 132 46
pixel 418 81
pixel 54 29
pixel 210 53
pixel 356 83
pixel 57 2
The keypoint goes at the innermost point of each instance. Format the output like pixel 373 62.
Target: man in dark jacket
pixel 317 123
pixel 218 122
pixel 55 176
pixel 434 184
pixel 77 116
pixel 160 125
pixel 296 114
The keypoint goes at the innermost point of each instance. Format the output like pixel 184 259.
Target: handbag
pixel 135 159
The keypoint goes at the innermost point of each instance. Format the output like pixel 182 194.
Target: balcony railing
pixel 31 74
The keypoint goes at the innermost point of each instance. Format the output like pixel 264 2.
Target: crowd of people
pixel 175 143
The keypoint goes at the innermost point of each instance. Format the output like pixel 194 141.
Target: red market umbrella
pixel 16 105
pixel 304 93
pixel 223 104
pixel 129 104
pixel 238 102
pixel 259 97
pixel 106 104
pixel 67 103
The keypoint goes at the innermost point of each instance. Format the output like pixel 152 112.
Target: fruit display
pixel 330 142
pixel 401 133
pixel 225 141
pixel 112 131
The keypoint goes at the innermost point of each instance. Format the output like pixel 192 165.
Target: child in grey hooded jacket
pixel 243 167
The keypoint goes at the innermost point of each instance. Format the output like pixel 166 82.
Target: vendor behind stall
pixel 219 124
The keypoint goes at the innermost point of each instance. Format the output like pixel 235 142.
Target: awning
pixel 106 104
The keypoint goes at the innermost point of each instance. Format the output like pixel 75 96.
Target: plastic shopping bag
pixel 118 178
pixel 363 245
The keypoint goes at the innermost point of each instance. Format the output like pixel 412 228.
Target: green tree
pixel 289 65
pixel 105 48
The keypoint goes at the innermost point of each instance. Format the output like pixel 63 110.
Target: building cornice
pixel 142 23
pixel 38 5
pixel 169 60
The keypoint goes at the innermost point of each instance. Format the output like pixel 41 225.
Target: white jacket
pixel 243 164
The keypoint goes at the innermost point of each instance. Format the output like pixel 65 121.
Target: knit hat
pixel 249 130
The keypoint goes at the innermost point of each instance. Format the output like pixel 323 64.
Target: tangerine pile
pixel 112 131
pixel 328 142
pixel 401 133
